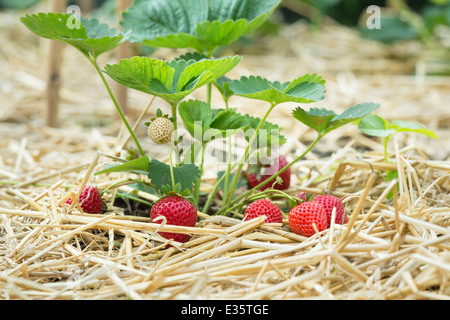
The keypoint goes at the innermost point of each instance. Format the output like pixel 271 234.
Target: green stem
pixel 214 191
pixel 228 171
pixel 273 176
pixel 173 106
pixel 386 140
pixel 116 104
pixel 244 159
pixel 199 180
pixel 171 170
pixel 212 194
pixel 208 93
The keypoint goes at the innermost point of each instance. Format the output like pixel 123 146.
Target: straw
pixel 395 245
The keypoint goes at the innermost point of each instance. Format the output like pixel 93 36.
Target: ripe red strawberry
pixel 178 211
pixel 305 196
pixel 89 200
pixel 264 207
pixel 258 174
pixel 160 130
pixel 302 217
pixel 329 202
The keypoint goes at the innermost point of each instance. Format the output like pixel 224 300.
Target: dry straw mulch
pixel 392 248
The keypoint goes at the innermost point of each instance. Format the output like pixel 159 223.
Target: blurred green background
pixel 427 21
pixel 413 19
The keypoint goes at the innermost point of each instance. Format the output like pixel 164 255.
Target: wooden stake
pixel 54 71
pixel 86 5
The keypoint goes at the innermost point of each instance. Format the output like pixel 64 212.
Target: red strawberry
pixel 264 207
pixel 305 196
pixel 178 211
pixel 257 175
pixel 302 217
pixel 90 200
pixel 329 202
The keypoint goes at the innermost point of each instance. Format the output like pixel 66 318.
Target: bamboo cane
pixel 54 71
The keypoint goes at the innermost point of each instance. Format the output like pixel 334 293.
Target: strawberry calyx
pixel 159 114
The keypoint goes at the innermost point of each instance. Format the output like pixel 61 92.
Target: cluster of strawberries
pixel 312 214
pixel 306 218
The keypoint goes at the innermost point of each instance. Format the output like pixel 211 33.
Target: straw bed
pixel 392 248
pixel 381 253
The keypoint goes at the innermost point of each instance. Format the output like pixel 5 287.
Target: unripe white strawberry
pixel 160 130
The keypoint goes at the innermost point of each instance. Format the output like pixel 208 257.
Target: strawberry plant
pixel 92 39
pixel 203 26
pixel 321 120
pixel 376 126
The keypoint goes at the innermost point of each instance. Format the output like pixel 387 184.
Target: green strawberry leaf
pixel 229 121
pixel 324 121
pixel 197 117
pixel 185 175
pixel 353 113
pixel 375 126
pixel 223 85
pixel 172 80
pixel 138 166
pixel 199 24
pixel 92 38
pixel 203 122
pixel 315 118
pixel 165 23
pixel 408 126
pixel 268 136
pixel 305 89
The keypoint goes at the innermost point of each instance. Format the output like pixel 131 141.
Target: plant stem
pixel 173 106
pixel 386 140
pixel 212 194
pixel 171 170
pixel 228 171
pixel 208 93
pixel 116 104
pixel 199 180
pixel 273 176
pixel 244 159
pixel 214 191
